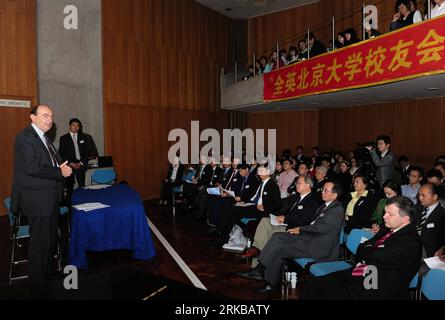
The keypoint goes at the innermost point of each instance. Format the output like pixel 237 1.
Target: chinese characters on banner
pixel 407 53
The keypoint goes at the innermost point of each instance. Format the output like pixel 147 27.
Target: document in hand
pixel 274 222
pixel 242 204
pixel 214 191
pixel 230 193
pixel 435 263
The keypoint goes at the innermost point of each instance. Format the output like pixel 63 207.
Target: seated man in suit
pixel 300 212
pixel 243 185
pixel 73 148
pixel 319 240
pixel 395 252
pixel 172 180
pixel 430 220
pixel 266 200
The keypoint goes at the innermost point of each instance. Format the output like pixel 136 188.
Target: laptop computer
pixel 105 162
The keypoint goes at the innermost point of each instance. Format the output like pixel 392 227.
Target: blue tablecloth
pixel 121 226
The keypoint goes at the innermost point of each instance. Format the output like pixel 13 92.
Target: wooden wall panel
pixel 161 60
pixel 288 27
pixel 293 128
pixel 17 79
pixel 417 128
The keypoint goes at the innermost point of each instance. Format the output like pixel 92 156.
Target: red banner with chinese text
pixel 411 52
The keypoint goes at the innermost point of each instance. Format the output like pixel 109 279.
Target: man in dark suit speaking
pixel 73 148
pixel 36 190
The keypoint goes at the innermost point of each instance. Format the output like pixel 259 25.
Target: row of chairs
pixel 432 285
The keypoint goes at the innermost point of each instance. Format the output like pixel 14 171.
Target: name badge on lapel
pixel 381 246
pixel 321 215
pixel 361 202
pixel 300 207
pixel 247 187
pixel 265 193
pixel 235 180
pixel 430 226
pixel 82 141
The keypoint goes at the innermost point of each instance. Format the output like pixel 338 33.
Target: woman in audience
pixel 344 178
pixel 278 170
pixel 312 167
pixel 350 37
pixel 354 166
pixel 293 56
pixel 263 64
pixel 361 205
pixel 417 14
pixel 403 16
pixel 391 189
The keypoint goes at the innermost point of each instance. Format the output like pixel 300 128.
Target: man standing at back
pixel 36 190
pixel 384 162
pixel 73 148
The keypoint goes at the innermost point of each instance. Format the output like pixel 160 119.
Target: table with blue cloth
pixel 122 226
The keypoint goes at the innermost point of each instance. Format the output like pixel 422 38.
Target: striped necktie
pixel 360 269
pixel 422 220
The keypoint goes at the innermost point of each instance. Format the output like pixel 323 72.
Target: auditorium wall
pixel 18 80
pixel 161 66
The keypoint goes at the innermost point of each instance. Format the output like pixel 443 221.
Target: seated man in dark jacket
pixel 301 211
pixel 265 201
pixel 394 253
pixel 319 240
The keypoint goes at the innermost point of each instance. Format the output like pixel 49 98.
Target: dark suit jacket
pixel 363 210
pixel 322 237
pixel 397 262
pixel 250 187
pixel 302 213
pixel 215 175
pixel 67 151
pixel 271 197
pixel 433 231
pixel 37 184
pixel 225 178
pixel 179 174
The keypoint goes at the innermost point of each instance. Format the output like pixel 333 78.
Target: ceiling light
pixel 432 89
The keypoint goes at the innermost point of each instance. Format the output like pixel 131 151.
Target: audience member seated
pixel 395 251
pixel 354 166
pixel 435 177
pixel 319 241
pixel 350 36
pixel 371 33
pixel 293 55
pixel 173 179
pixel 201 178
pixel 417 14
pixel 278 171
pixel 320 179
pixel 391 189
pixel 361 205
pixel 403 16
pixel 430 220
pixel 265 201
pixel 415 178
pixel 243 184
pixel 301 211
pixel 302 50
pixel 286 178
pixel 439 8
pixel 403 170
pixel 344 178
pixel 315 46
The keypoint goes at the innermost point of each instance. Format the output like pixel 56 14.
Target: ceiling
pixel 418 88
pixel 245 9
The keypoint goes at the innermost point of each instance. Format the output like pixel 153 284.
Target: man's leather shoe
pixel 252 274
pixel 267 289
pixel 213 232
pixel 251 253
